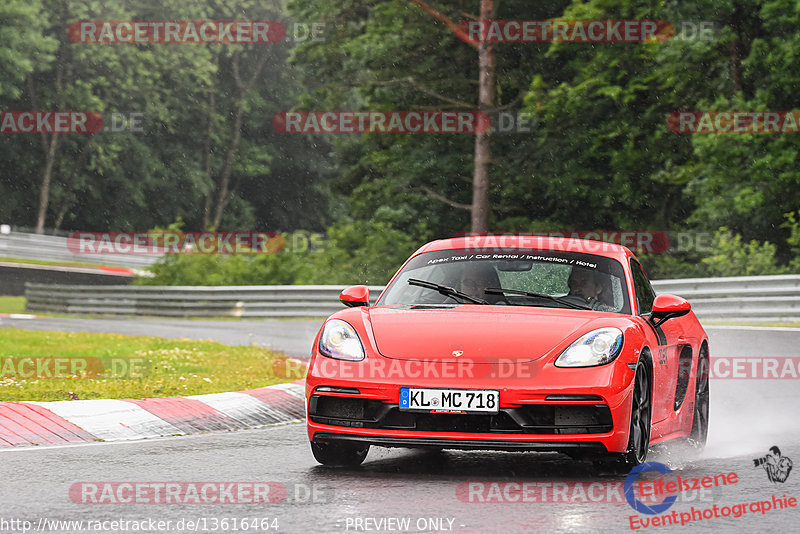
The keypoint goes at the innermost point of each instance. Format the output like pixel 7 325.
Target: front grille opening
pixel 528 419
pixel 342 407
pixel 346 411
pixel 565 418
pixel 442 422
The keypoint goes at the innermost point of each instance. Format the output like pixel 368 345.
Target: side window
pixel 641 285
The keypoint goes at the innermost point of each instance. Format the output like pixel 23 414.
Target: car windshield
pixel 519 278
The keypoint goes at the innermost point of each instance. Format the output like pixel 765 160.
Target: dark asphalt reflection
pixel 415 484
pixel 747 417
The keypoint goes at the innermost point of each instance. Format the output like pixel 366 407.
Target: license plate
pixel 450 400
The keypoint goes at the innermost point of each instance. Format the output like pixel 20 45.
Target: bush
pixel 362 252
pixel 792 224
pixel 730 257
pixel 369 252
pixel 669 266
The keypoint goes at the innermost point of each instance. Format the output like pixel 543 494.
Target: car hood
pixel 482 333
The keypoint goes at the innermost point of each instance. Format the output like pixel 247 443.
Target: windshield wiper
pixel 560 300
pixel 445 290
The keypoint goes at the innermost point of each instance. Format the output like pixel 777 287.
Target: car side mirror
pixel 668 307
pixel 355 296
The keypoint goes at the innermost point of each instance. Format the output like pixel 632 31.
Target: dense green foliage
pixel 598 157
pixel 186 96
pixel 355 252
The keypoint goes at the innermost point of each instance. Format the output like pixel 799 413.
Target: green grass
pixel 12 304
pixel 98 366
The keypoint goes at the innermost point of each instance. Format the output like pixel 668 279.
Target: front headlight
pixel 598 347
pixel 339 340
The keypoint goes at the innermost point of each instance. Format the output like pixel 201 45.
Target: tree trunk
pixel 47 174
pixel 49 147
pixel 223 196
pixel 207 151
pixel 230 159
pixel 80 164
pixel 483 152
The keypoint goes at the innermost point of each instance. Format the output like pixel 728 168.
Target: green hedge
pixel 371 252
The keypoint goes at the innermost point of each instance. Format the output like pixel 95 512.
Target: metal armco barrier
pixel 739 297
pixel 54 248
pixel 191 301
pixel 749 298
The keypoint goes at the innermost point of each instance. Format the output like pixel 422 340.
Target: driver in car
pixel 590 286
pixel 475 277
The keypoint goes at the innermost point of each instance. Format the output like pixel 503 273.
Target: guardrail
pixel 747 298
pixel 54 248
pixel 739 297
pixel 188 301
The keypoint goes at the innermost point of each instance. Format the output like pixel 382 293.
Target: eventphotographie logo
pixel 636 503
pixel 777 467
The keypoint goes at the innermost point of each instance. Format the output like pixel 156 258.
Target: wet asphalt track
pixel 747 417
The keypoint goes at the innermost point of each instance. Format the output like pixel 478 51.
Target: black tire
pixel 699 434
pixel 638 440
pixel 641 411
pixel 340 454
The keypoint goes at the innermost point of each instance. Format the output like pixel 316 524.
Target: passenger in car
pixel 583 283
pixel 606 295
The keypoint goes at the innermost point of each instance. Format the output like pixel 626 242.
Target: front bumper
pixel 584 410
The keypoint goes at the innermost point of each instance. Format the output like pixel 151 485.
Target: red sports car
pixel 510 343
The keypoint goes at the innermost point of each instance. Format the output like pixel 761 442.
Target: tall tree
pixel 392 55
pixel 479 209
